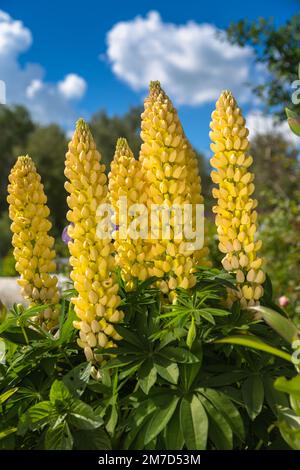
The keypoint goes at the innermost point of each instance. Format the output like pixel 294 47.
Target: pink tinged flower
pixel 283 301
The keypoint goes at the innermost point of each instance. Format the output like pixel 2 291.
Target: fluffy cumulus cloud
pixel 26 84
pixel 259 123
pixel 72 87
pixel 193 61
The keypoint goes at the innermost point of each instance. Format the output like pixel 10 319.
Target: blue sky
pixel 71 37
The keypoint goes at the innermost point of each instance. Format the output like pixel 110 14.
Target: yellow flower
pixel 33 247
pixel 235 210
pixel 126 181
pixel 91 255
pixel 172 178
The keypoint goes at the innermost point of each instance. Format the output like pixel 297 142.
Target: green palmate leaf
pixel 284 327
pixel 291 386
pixel 147 375
pixel 82 416
pixel 59 392
pixel 120 362
pixel 130 369
pixel 37 416
pixel 112 420
pixel 173 435
pixel 178 355
pixel 224 405
pixel 191 336
pixel 7 432
pixel 59 437
pixel 160 419
pixel 6 395
pixel 216 312
pixel 66 331
pixel 193 423
pixel 166 369
pixel 143 413
pixel 253 342
pixel 129 336
pixel 220 432
pixel 77 379
pixel 188 373
pixel 289 426
pixel 20 335
pixel 91 440
pixel 274 397
pixel 253 395
pixel 226 378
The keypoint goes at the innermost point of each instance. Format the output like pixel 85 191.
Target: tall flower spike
pixel 235 210
pixel 91 256
pixel 172 179
pixel 33 247
pixel 126 181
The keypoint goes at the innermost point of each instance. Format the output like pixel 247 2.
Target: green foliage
pixel 7 265
pixel 47 146
pixel 106 131
pixel 194 375
pixel 277 48
pixel 277 170
pixel 289 417
pixel 279 232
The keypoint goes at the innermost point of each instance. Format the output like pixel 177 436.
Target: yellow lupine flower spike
pixel 126 181
pixel 33 247
pixel 235 210
pixel 91 256
pixel 165 156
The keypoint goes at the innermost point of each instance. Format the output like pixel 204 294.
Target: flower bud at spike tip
pixel 91 255
pixel 33 246
pixel 235 217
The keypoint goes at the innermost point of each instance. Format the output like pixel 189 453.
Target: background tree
pixel 47 147
pixel 106 131
pixel 278 49
pixel 16 126
pixel 276 167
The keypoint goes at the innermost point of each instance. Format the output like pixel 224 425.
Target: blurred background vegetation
pixel 276 159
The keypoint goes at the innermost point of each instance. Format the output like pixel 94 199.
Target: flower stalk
pixel 91 255
pixel 172 178
pixel 33 246
pixel 235 210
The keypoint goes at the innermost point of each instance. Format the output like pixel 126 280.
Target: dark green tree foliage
pixel 278 49
pixel 47 147
pixel 276 167
pixel 15 125
pixel 106 131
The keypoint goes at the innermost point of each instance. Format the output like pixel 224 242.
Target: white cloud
pixel 25 84
pixel 259 123
pixel 193 61
pixel 72 87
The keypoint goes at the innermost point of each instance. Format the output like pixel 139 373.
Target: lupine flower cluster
pixel 91 256
pixel 126 180
pixel 166 174
pixel 235 209
pixel 33 247
pixel 172 178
